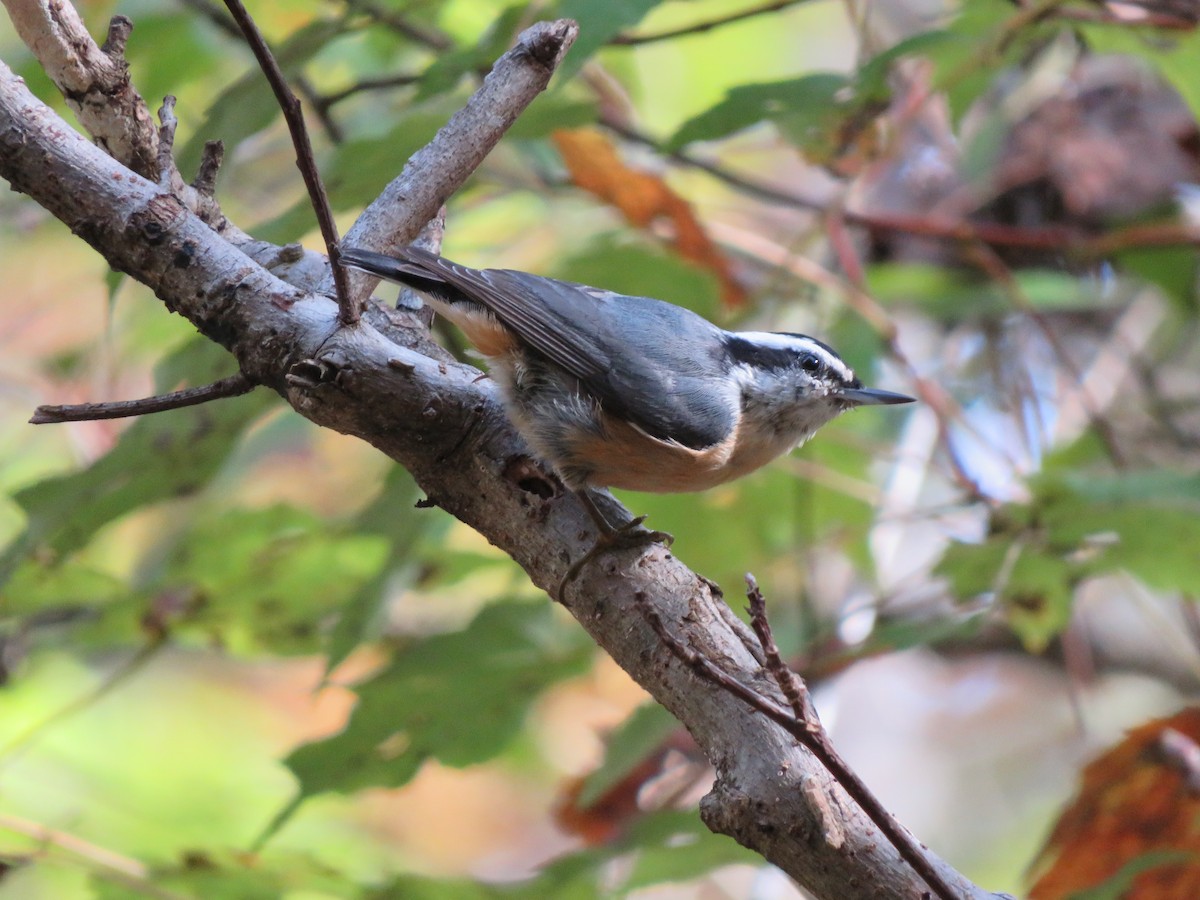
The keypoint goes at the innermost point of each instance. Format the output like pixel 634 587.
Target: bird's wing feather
pixel 605 340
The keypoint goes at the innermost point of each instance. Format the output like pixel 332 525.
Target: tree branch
pixel 232 386
pixel 388 383
pixel 349 310
pixel 441 167
pixel 635 40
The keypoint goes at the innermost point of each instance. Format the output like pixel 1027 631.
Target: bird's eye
pixel 810 363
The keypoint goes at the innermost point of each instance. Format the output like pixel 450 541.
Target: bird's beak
pixel 873 397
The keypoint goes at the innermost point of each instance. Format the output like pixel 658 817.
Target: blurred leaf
pixel 675 846
pixel 450 67
pixel 419 887
pixel 36 588
pixel 169 50
pixel 550 112
pixel 643 199
pixel 643 270
pixel 247 106
pixel 802 107
pixel 636 738
pixel 390 516
pixel 955 296
pixel 459 698
pixel 1171 54
pixel 1172 269
pixel 236 876
pixel 1077 527
pixel 1033 588
pixel 267 577
pixel 1133 829
pixel 599 22
pixel 357 170
pixel 171 454
pixel 1157 486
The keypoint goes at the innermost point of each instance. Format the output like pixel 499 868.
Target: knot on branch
pixel 548 42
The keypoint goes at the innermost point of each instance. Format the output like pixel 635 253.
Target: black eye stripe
pixel 764 356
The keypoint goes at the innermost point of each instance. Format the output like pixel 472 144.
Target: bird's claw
pixel 628 536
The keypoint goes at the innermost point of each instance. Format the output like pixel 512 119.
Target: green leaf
pixel 642 269
pixel 268 577
pixel 1034 588
pixel 550 112
pixel 675 846
pixel 1171 269
pixel 357 170
pixel 171 454
pixel 1172 55
pixel 449 68
pixel 459 698
pixel 1155 486
pixel 248 105
pixel 805 108
pixel 168 50
pixel 635 739
pixel 599 22
pixel 233 876
pixel 392 517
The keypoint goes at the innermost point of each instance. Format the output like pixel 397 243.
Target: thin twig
pixel 421 34
pixel 811 736
pixel 98 856
pixel 1063 238
pixel 793 687
pixel 289 103
pixel 368 84
pixel 211 158
pixel 232 386
pixel 634 40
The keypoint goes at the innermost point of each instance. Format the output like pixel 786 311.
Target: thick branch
pixel 93 80
pixel 444 164
pixel 387 383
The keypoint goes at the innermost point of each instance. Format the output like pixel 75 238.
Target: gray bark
pixel 386 382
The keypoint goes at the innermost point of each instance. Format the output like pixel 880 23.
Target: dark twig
pixel 322 104
pixel 289 103
pixel 421 34
pixel 210 164
pixel 793 687
pixel 232 386
pixel 633 40
pixel 812 737
pixel 1067 239
pixel 368 84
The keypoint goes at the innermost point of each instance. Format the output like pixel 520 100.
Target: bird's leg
pixel 631 534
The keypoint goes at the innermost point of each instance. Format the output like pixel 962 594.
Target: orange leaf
pixel 642 198
pixel 1137 813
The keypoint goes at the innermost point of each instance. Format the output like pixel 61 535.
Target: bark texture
pixel 386 382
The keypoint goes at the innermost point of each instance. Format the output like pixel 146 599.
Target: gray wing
pixel 659 366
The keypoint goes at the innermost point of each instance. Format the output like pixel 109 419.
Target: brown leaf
pixel 642 198
pixel 1142 797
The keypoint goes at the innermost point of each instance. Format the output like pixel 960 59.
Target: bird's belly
pixel 627 458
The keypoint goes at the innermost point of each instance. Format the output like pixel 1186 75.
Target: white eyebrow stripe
pixel 789 341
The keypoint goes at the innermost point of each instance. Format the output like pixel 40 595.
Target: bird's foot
pixel 629 535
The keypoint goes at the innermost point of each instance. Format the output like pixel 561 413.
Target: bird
pixel 616 391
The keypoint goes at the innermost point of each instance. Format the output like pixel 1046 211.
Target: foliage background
pixel 985 589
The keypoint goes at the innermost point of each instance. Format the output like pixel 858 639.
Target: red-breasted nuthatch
pixel 631 392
